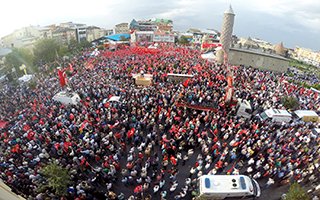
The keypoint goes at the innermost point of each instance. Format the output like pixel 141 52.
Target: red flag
pixel 71 116
pixel 66 146
pixel 301 91
pixel 15 148
pixel 70 67
pixel 138 189
pixel 34 105
pixel 130 133
pixel 230 81
pixel 210 45
pixel 26 127
pixel 186 82
pixel 231 169
pixel 62 77
pixel 30 135
pixel 173 160
pixel 159 110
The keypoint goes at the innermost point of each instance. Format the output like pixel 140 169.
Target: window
pixel 263 116
pixel 255 188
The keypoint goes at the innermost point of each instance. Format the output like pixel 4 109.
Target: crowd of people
pixel 145 146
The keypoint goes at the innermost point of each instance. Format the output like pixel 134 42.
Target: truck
pixel 216 187
pixel 307 115
pixel 244 109
pixel 275 115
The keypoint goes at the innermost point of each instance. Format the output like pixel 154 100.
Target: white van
pixel 67 98
pixel 228 186
pixel 244 109
pixel 275 115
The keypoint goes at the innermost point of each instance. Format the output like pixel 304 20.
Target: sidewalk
pixel 6 194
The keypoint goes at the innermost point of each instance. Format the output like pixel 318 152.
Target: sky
pixel 293 22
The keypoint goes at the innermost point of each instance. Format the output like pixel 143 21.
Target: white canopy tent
pixel 112 99
pixel 25 78
pixel 209 56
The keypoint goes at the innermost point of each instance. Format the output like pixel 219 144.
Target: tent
pixel 145 79
pixel 112 99
pixel 67 98
pixel 118 37
pixel 25 78
pixel 208 56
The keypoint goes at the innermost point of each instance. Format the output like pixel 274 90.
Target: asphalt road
pixel 274 192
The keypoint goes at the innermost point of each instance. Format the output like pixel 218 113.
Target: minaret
pixel 226 34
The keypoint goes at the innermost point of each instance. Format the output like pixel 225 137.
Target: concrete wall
pixel 258 60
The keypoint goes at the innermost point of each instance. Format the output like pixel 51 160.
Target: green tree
pixel 296 192
pixel 84 44
pixel 57 178
pixel 18 57
pixel 63 51
pixel 183 40
pixel 290 102
pixel 32 84
pixel 46 50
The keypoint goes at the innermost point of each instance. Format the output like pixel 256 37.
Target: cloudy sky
pixel 294 22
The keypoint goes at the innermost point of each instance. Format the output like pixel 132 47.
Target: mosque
pixel 237 55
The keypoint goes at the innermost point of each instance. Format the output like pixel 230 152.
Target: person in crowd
pixel 157 140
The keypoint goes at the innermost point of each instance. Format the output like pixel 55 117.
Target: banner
pixel 62 77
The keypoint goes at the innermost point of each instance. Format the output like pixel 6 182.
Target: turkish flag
pixel 186 82
pixel 62 77
pixel 30 135
pixel 26 127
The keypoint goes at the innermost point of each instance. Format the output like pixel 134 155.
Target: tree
pixel 290 102
pixel 84 44
pixel 57 179
pixel 46 50
pixel 296 192
pixel 18 57
pixel 63 51
pixel 183 40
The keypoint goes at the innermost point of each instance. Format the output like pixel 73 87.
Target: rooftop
pixel 229 11
pixel 4 51
pixel 117 37
pixel 224 183
pixel 257 51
